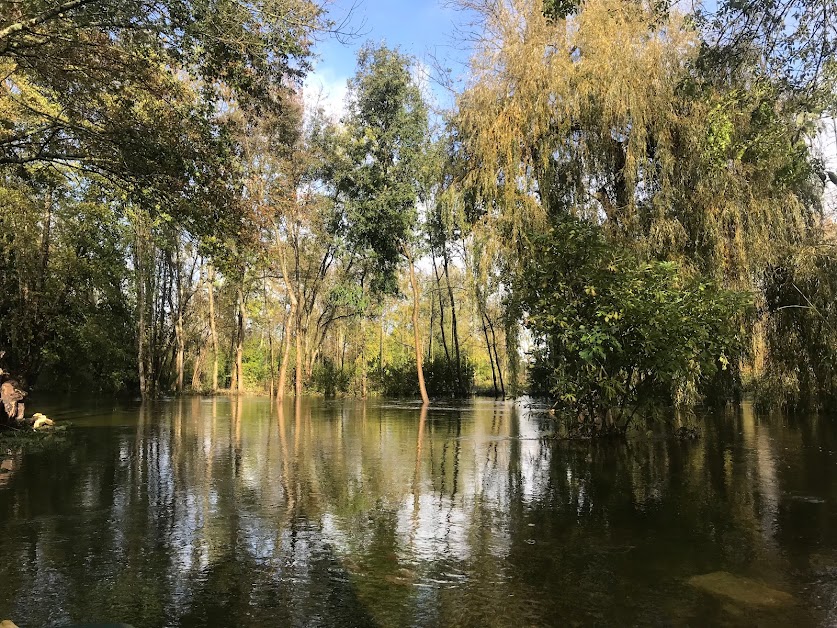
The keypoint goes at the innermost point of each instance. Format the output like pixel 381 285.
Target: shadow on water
pixel 219 511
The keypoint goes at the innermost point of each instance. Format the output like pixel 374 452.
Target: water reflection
pixel 308 512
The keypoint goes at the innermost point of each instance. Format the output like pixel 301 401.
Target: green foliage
pixel 329 380
pixel 614 333
pixel 801 331
pixel 440 377
pixel 386 131
pixel 794 42
pixel 67 319
pixel 560 9
pixel 256 363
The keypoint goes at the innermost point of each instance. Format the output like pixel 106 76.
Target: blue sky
pixel 423 28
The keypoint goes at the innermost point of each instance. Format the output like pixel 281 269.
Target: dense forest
pixel 624 208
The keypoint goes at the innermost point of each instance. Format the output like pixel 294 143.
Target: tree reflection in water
pixel 311 512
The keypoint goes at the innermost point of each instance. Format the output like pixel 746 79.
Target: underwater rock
pixel 740 589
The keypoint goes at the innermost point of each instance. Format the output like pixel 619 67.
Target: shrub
pixel 614 334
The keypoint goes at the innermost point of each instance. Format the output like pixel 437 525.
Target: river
pixel 243 512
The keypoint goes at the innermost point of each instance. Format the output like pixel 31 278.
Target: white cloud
pixel 421 76
pixel 323 88
pixel 825 146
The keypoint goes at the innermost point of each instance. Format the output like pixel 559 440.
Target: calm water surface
pixel 327 513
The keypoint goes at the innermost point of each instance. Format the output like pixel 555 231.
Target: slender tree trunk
pixel 416 333
pixel 239 343
pixel 296 317
pixel 45 242
pixel 197 371
pixel 300 367
pixel 272 362
pixel 213 331
pixel 496 356
pixel 139 269
pixel 181 341
pixel 430 335
pixel 490 356
pixel 309 353
pixel 454 326
pixel 441 309
pixel 270 342
pixel 363 358
pixel 381 349
pixel 286 354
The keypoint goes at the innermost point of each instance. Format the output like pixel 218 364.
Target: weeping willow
pixel 615 112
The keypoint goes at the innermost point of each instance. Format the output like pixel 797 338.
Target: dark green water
pixel 210 512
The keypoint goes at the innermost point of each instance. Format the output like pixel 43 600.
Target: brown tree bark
pixel 286 354
pixel 416 334
pixel 197 370
pixel 213 331
pixel 496 356
pixel 178 326
pixel 490 356
pixel 454 325
pixel 239 341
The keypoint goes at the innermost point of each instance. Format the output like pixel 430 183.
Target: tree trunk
pixel 286 354
pixel 296 317
pixel 272 362
pixel 381 349
pixel 454 326
pixel 300 367
pixel 441 310
pixel 363 357
pixel 197 371
pixel 45 242
pixel 178 329
pixel 416 334
pixel 496 356
pixel 239 342
pixel 212 329
pixel 139 272
pixel 490 356
pixel 270 321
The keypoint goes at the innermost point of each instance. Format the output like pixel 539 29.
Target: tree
pixel 386 128
pixel 675 157
pixel 129 104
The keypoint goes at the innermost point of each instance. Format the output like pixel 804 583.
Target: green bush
pixel 329 380
pixel 440 377
pixel 615 334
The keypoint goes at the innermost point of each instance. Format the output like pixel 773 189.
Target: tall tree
pixel 386 130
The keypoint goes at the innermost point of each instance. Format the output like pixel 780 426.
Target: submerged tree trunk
pixel 213 331
pixel 416 334
pixel 441 310
pixel 295 316
pixel 496 356
pixel 178 329
pixel 197 370
pixel 300 366
pixel 490 356
pixel 454 326
pixel 363 390
pixel 239 342
pixel 142 306
pixel 286 354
